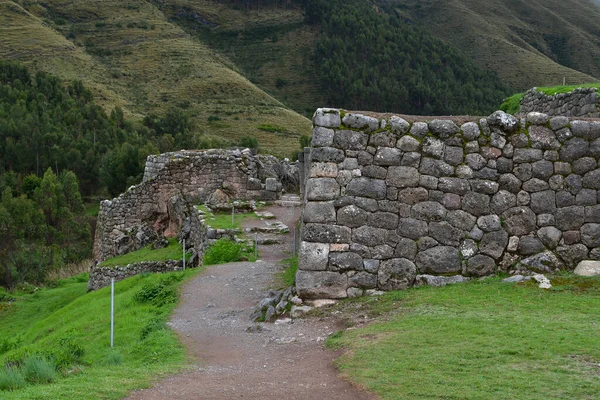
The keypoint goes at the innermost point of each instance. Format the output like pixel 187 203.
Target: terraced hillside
pixel 132 56
pixel 527 43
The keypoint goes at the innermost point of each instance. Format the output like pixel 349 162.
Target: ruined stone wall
pixel 102 276
pixel 390 203
pixel 154 207
pixel 582 102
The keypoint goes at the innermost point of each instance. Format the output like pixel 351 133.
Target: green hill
pixel 130 55
pixel 527 43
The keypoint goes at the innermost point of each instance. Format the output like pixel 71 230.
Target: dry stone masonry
pixel 390 203
pixel 581 102
pixel 162 204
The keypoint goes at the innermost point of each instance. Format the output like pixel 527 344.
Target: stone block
pixel 543 138
pixel 383 139
pixel 543 202
pixel 443 128
pixel 590 235
pixel 542 169
pixel 572 237
pixel 387 156
pixel 408 144
pixel 461 219
pixel 313 256
pixel 523 172
pixel 510 183
pixel 481 265
pixel 454 155
pixel 584 165
pixel 398 125
pixel 544 262
pixel 438 168
pixel 401 177
pixel 592 214
pixel 396 274
pixel 319 212
pixel 429 211
pixel 549 236
pixel 519 221
pixel 406 248
pixel 505 122
pixel 321 285
pixel 476 203
pixel 586 197
pixel 383 220
pixel 350 140
pixel 419 129
pixel 445 234
pixel 470 131
pixel 322 137
pixel 327 154
pixel 433 147
pixel 489 223
pixel 484 186
pixel 439 260
pixel 526 155
pixel 412 228
pixel 493 244
pixel 373 171
pixel 322 189
pixel 591 180
pixel 322 233
pixel 502 201
pixel 574 149
pixel 475 161
pixel 588 268
pixel 367 204
pixel 411 159
pixel 454 185
pixel 367 187
pixel 363 280
pixel 345 262
pixel 451 201
pixel 369 236
pixel 327 118
pixel 572 255
pixel 359 121
pixel 529 245
pixel 569 218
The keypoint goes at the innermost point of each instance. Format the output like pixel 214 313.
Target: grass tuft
pixel 223 251
pixel 39 370
pixel 11 378
pixel 174 251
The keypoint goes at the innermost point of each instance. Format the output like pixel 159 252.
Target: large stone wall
pixel 161 204
pixel 389 202
pixel 582 102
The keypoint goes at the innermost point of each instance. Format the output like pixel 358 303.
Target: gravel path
pixel 238 359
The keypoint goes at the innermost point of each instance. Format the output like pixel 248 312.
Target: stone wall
pixel 162 203
pixel 582 102
pixel 101 276
pixel 389 203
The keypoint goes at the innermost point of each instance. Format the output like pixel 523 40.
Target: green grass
pixel 174 251
pixel 512 104
pixel 50 320
pixel 223 220
pixel 288 275
pixel 225 251
pixel 481 340
pixel 92 210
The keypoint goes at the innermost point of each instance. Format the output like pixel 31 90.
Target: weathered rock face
pixel 162 204
pixel 582 102
pixel 388 200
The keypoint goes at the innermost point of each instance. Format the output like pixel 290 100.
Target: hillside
pixel 132 56
pixel 526 43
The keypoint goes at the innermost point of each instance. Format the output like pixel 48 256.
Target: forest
pixel 370 59
pixel 57 147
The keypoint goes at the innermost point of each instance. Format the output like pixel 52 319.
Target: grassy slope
pixel 146 64
pixel 46 316
pixel 524 42
pixel 271 46
pixel 480 340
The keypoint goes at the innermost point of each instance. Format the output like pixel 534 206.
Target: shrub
pixel 214 118
pixel 39 370
pixel 155 324
pixel 69 352
pixel 159 292
pixel 114 357
pixel 223 251
pixel 249 142
pixel 4 296
pixel 11 378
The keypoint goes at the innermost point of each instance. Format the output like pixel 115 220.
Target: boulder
pixel 588 268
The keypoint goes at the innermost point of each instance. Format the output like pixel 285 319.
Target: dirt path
pixel 285 360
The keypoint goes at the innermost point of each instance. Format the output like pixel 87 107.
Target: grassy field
pixel 132 56
pixel 512 104
pixel 47 322
pixel 481 340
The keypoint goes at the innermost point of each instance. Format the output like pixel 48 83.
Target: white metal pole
pixel 112 312
pixel 184 254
